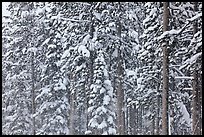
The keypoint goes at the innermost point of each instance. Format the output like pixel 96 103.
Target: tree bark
pixel 165 74
pixel 33 93
pixel 91 71
pixel 195 119
pixel 195 101
pixel 72 106
pixel 200 105
pixel 157 112
pixel 120 92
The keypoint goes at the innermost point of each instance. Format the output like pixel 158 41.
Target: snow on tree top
pixel 83 50
pixel 51 46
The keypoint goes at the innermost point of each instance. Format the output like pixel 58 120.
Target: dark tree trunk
pixel 165 74
pixel 91 71
pixel 195 117
pixel 120 92
pixel 72 107
pixel 195 102
pixel 157 112
pixel 33 93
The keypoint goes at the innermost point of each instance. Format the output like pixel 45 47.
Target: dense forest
pixel 102 68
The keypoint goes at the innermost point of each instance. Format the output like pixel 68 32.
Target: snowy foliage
pixel 64 64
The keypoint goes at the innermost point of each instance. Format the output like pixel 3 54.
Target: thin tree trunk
pixel 33 94
pixel 91 71
pixel 120 92
pixel 72 112
pixel 140 119
pixel 195 102
pixel 200 107
pixel 157 113
pixel 137 122
pixel 165 74
pixel 195 120
pixel 153 125
pixel 132 119
pixel 72 107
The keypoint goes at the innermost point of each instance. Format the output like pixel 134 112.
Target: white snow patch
pixel 105 72
pixel 98 15
pixel 195 17
pixel 62 106
pixel 60 85
pixel 111 24
pixel 111 131
pixel 11 118
pixel 98 81
pixel 191 60
pixel 51 46
pixel 33 49
pixel 9 108
pixel 101 109
pixel 185 113
pixel 83 50
pixel 93 123
pixel 107 82
pixel 104 133
pixel 187 88
pixel 171 32
pixel 48 55
pixel 88 132
pixel 104 12
pixel 90 108
pixel 44 91
pixel 60 118
pixel 115 53
pixel 130 72
pixel 85 40
pixel 24 50
pixel 102 125
pixel 65 54
pixel 183 77
pixel 102 90
pixel 45 42
pixel 106 100
pixel 110 119
pixel 139 81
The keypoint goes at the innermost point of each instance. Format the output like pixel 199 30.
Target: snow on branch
pixel 177 70
pixel 187 88
pixel 116 38
pixel 172 32
pixel 45 42
pixel 191 60
pixel 75 20
pixel 183 77
pixel 195 17
pixel 177 32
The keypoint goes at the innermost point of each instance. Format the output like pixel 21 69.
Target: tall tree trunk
pixel 157 112
pixel 132 119
pixel 72 112
pixel 200 107
pixel 91 70
pixel 140 120
pixel 120 92
pixel 195 101
pixel 137 122
pixel 165 74
pixel 33 93
pixel 72 106
pixel 195 118
pixel 153 125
